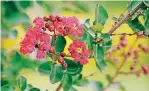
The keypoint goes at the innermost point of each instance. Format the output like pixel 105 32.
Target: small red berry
pixel 59 18
pixel 64 64
pixel 46 25
pixel 145 69
pixel 145 48
pixel 63 54
pixel 45 18
pixel 60 59
pixel 51 50
pixel 52 18
pixel 51 28
pixel 123 43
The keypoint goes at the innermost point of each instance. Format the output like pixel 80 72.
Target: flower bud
pixel 64 64
pixel 51 28
pixel 132 68
pixel 45 18
pixel 51 50
pixel 59 18
pixel 46 25
pixel 145 69
pixel 123 43
pixel 52 18
pixel 145 48
pixel 122 37
pixel 63 54
pixel 60 59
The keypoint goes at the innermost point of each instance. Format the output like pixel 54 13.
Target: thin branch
pixel 59 87
pixel 124 19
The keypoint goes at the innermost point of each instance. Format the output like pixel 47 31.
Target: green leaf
pixel 99 57
pixel 76 78
pixel 101 15
pixel 107 41
pixel 7 87
pixel 34 89
pixel 72 89
pixel 96 85
pixel 45 67
pixel 109 78
pixel 24 4
pixel 22 83
pixel 72 67
pixel 146 3
pixel 146 24
pixel 81 6
pixel 132 5
pixel 97 27
pixel 135 25
pixel 29 86
pixel 82 82
pixel 56 73
pixel 67 82
pixel 60 44
pixel 87 28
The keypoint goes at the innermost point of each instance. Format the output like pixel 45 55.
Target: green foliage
pixel 133 4
pixel 24 4
pixel 72 89
pixel 107 41
pixel 34 89
pixel 56 73
pixel 82 6
pixel 146 23
pixel 146 3
pixel 135 25
pixel 76 78
pixel 99 57
pixel 66 82
pixel 82 82
pixel 45 68
pixel 22 83
pixel 73 67
pixel 96 85
pixel 109 78
pixel 60 44
pixel 101 15
pixel 7 87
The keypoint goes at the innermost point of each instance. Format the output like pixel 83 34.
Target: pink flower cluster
pixel 79 52
pixel 37 38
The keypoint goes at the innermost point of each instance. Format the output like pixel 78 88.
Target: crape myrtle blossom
pixel 37 38
pixel 79 52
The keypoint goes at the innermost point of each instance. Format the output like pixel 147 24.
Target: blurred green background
pixel 17 15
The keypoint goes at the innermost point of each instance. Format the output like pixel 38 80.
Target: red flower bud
pixel 59 18
pixel 46 25
pixel 63 54
pixel 52 18
pixel 64 64
pixel 145 69
pixel 60 59
pixel 145 48
pixel 51 28
pixel 123 43
pixel 51 50
pixel 45 18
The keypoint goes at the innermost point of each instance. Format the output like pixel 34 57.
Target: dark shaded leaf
pixel 146 24
pixel 60 44
pixel 22 83
pixel 67 82
pixel 135 25
pixel 108 78
pixel 45 68
pixel 7 87
pixel 146 3
pixel 56 73
pixel 72 67
pixel 34 89
pixel 24 4
pixel 76 78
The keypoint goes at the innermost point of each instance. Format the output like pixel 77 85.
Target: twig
pixel 124 19
pixel 59 87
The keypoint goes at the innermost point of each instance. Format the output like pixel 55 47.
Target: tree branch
pixel 124 19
